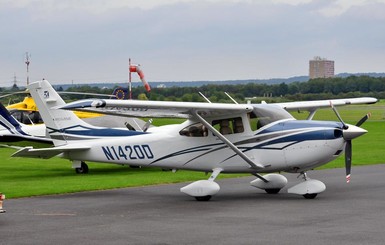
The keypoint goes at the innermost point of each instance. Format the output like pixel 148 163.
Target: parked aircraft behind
pixel 216 138
pixel 27 113
pixel 16 134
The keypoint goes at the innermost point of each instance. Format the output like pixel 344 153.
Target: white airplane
pixel 217 138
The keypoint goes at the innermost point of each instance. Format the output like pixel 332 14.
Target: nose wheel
pixel 310 196
pixel 309 188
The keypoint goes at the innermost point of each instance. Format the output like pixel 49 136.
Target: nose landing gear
pixel 309 188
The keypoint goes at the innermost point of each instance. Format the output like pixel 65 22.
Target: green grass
pixel 21 177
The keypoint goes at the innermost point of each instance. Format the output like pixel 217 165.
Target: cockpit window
pixel 265 114
pixel 194 130
pixel 27 117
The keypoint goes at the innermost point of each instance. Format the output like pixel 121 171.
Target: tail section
pixel 56 121
pixel 64 126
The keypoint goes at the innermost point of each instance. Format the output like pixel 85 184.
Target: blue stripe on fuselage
pixel 98 132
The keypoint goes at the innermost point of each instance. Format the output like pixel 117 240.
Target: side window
pixel 195 130
pixel 255 123
pixel 229 125
pixel 35 117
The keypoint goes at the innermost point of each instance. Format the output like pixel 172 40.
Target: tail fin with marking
pixel 57 121
pixel 64 126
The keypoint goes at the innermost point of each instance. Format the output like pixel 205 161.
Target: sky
pixel 85 41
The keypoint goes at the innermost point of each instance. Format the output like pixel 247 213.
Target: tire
pixel 272 191
pixel 310 196
pixel 83 169
pixel 203 198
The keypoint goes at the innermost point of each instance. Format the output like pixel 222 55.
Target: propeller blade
pixel 339 117
pixel 348 159
pixel 366 117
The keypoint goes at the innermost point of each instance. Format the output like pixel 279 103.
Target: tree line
pixel 321 88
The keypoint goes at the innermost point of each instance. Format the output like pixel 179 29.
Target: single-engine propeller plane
pixel 217 138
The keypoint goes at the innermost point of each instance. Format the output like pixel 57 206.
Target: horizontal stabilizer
pixel 46 153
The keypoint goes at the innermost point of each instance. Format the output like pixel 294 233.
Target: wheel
pixel 203 198
pixel 83 169
pixel 310 196
pixel 272 191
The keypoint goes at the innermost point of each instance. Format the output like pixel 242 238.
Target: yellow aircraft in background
pixel 27 112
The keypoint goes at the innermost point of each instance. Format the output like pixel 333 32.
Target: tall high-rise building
pixel 321 68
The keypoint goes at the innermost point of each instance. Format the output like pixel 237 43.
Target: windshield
pixel 264 114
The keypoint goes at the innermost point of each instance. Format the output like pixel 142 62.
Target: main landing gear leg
pixel 309 188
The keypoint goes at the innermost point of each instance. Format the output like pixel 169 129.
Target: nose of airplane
pixel 353 132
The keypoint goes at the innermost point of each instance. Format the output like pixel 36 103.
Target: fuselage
pixel 286 145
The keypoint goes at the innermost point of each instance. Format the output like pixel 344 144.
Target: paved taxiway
pixel 240 214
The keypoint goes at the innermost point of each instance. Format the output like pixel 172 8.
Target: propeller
pixel 366 117
pixel 350 132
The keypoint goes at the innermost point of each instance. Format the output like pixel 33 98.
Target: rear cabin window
pixel 229 125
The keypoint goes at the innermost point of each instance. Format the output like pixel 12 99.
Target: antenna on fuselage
pixel 204 97
pixel 231 98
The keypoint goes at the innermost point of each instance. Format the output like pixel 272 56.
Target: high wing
pixel 141 108
pixel 316 104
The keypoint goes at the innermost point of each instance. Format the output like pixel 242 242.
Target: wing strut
pixel 227 142
pixel 311 114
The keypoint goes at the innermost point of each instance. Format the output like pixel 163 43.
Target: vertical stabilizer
pixel 8 122
pixel 56 121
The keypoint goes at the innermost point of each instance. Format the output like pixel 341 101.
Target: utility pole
pixel 14 81
pixel 129 80
pixel 27 62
